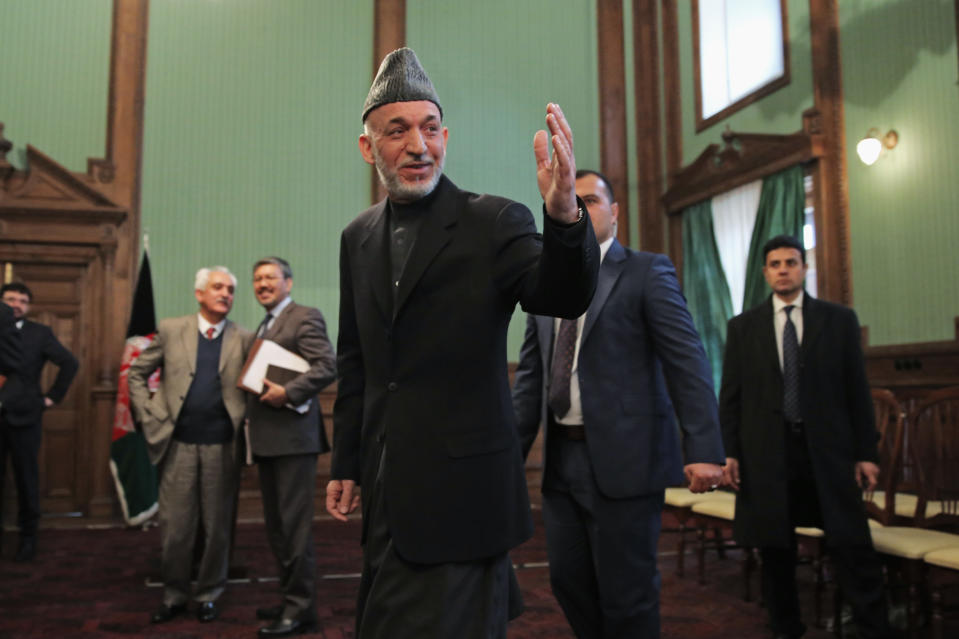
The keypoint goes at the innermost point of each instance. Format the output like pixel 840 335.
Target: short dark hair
pixel 784 241
pixel 580 173
pixel 278 261
pixel 17 287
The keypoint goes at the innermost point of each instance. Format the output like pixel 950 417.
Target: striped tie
pixel 562 368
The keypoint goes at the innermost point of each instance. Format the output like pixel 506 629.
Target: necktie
pixel 562 368
pixel 790 370
pixel 209 332
pixel 264 324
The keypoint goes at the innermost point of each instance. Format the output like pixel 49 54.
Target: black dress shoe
pixel 269 613
pixel 27 550
pixel 165 613
pixel 207 611
pixel 285 628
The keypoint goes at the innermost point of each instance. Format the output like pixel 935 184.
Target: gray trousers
pixel 198 484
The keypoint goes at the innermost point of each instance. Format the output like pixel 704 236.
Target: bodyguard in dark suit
pixel 22 403
pixel 285 443
pixel 801 440
pixel 612 446
pixel 11 346
pixel 191 427
pixel 429 278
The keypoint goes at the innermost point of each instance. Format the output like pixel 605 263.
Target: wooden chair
pixel 932 433
pixel 679 503
pixel 881 504
pixel 942 578
pixel 716 514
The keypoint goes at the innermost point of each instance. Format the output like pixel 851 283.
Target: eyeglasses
pixel 265 278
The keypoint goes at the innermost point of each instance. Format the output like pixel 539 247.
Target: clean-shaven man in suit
pixel 801 440
pixel 285 444
pixel 607 386
pixel 429 278
pixel 191 428
pixel 22 403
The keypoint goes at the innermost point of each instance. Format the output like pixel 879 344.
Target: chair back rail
pixel 933 427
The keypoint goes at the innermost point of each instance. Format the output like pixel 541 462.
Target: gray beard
pixel 403 192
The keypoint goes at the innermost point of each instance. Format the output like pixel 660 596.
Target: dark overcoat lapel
pixel 374 245
pixel 434 234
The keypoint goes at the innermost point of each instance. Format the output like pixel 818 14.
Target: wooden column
pixel 612 107
pixel 389 33
pixel 674 123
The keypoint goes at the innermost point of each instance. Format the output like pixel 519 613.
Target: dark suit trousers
pixel 288 485
pixel 399 599
pixel 858 569
pixel 22 445
pixel 602 551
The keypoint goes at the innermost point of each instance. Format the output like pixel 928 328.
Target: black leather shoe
pixel 285 628
pixel 207 611
pixel 269 613
pixel 165 613
pixel 27 550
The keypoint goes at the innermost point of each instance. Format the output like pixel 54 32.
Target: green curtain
pixel 704 284
pixel 781 205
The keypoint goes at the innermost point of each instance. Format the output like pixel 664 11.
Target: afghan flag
pixel 135 477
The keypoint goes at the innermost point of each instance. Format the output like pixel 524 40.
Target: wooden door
pixel 57 286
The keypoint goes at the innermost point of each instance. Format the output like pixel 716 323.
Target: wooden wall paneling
pixel 829 174
pixel 649 163
pixel 59 234
pixel 674 122
pixel 612 107
pixel 389 33
pixel 912 371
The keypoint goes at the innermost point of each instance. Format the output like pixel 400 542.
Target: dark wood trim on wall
pixel 674 121
pixel 829 174
pixel 612 107
pixel 389 33
pixel 649 150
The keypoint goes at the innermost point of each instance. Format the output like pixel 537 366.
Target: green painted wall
pixel 900 70
pixel 54 78
pixel 252 116
pixel 495 65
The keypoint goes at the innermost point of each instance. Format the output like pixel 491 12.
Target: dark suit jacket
pixel 11 345
pixel 429 377
pixel 638 339
pixel 836 407
pixel 282 431
pixel 22 396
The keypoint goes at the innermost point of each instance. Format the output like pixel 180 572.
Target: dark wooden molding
pixel 770 87
pixel 389 33
pixel 742 158
pixel 674 121
pixel 649 154
pixel 912 370
pixel 833 249
pixel 612 107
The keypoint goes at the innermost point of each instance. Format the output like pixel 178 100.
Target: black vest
pixel 203 419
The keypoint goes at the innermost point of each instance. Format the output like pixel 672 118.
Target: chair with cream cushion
pixel 717 513
pixel 943 573
pixel 679 502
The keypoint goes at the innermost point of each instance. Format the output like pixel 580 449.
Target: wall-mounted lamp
pixel 871 146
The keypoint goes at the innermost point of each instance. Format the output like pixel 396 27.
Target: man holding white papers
pixel 285 444
pixel 190 425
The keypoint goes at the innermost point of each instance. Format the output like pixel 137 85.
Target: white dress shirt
pixel 204 325
pixel 779 321
pixel 575 414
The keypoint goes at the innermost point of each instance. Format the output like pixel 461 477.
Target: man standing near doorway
pixel 22 403
pixel 800 440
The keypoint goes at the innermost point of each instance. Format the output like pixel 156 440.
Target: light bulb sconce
pixel 870 147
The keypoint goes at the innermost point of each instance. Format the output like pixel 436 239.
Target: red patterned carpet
pixel 94 583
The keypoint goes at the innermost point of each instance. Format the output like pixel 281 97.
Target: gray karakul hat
pixel 401 78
